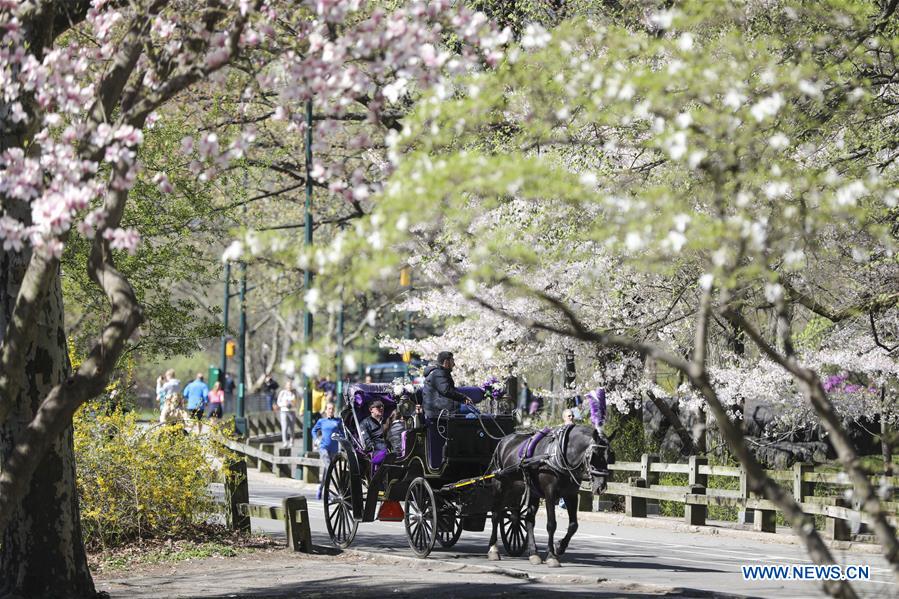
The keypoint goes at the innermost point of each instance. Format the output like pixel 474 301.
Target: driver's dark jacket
pixel 373 434
pixel 439 392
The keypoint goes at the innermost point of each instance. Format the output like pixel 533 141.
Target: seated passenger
pixel 439 392
pixel 373 428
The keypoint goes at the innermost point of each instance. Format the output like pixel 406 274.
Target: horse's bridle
pixel 585 468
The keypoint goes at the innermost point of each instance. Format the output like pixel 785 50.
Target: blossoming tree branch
pixel 709 187
pixel 81 83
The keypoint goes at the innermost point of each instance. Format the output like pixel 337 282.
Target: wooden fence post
pixel 635 507
pixel 252 461
pixel 695 478
pixel 695 514
pixel 585 501
pixel 646 461
pixel 237 494
pixel 762 520
pixel 651 478
pixel 801 489
pixel 283 470
pixel 837 528
pixel 765 521
pixel 296 523
pixel 266 467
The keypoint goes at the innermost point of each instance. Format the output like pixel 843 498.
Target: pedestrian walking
pixel 216 401
pixel 287 401
pixel 167 389
pixel 196 394
pixel 326 426
pixel 269 386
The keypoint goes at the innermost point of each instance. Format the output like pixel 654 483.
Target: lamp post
pixel 224 361
pixel 307 285
pixel 338 400
pixel 240 420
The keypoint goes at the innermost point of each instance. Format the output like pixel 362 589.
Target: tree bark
pixel 42 553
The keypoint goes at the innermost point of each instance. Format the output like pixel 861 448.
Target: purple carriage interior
pixel 461 437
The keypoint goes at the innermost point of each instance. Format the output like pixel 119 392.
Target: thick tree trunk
pixel 42 553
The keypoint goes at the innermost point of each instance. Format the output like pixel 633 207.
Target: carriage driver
pixel 439 391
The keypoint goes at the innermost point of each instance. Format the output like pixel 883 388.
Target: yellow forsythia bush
pixel 139 480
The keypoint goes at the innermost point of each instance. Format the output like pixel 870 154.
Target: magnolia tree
pixel 740 144
pixel 80 83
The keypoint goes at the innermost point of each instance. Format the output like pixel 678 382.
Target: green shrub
pixel 140 482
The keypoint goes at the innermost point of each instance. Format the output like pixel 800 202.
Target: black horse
pixel 559 462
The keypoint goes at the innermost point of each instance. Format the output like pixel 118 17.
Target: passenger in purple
pixel 326 426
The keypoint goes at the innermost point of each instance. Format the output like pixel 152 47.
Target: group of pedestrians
pixel 286 402
pixel 190 403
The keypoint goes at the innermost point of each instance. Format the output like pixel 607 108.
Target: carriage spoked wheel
pixel 338 499
pixel 513 527
pixel 449 524
pixel 421 517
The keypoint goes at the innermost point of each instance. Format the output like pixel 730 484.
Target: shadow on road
pixel 363 586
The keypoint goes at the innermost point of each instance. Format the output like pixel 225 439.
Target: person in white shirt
pixel 287 399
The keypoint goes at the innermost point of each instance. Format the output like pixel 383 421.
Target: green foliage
pixel 176 230
pixel 627 434
pixel 136 482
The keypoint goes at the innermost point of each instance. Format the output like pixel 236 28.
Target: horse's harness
pixel 556 458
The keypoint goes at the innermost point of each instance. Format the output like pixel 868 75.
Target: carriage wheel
pixel 513 527
pixel 449 526
pixel 338 494
pixel 421 517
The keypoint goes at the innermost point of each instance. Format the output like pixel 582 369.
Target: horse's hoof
pixel 552 562
pixel 493 556
pixel 535 559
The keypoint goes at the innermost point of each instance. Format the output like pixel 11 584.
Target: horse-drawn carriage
pixel 455 471
pixel 435 466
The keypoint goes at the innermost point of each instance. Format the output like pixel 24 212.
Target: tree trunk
pixel 42 553
pixel 886 439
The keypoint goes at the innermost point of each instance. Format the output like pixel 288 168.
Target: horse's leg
pixel 529 520
pixel 571 505
pixel 551 560
pixel 493 551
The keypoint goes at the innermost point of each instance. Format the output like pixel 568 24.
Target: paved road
pixel 601 550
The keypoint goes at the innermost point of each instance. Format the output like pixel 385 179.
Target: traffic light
pixel 406 277
pixel 407 357
pixel 230 348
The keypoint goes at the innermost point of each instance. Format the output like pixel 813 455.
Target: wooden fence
pixel 697 495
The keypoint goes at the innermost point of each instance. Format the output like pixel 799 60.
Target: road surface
pixel 710 563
